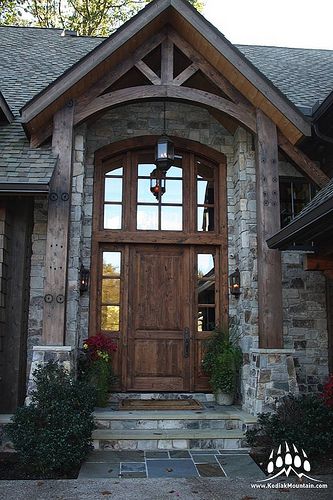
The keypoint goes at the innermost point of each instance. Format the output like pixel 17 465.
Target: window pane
pixel 111 291
pixel 113 189
pixel 174 172
pixel 117 171
pixel 112 216
pixel 144 193
pixel 111 263
pixel 144 169
pixel 301 196
pixel 147 217
pixel 206 319
pixel 205 192
pixel 110 318
pixel 206 292
pixel 205 219
pixel 173 192
pixel 205 265
pixel 171 218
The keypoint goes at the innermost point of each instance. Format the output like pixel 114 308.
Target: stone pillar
pixel 64 355
pixel 272 375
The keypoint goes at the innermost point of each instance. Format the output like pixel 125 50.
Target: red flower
pixel 101 343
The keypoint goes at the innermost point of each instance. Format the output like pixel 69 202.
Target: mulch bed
pixel 320 465
pixel 10 468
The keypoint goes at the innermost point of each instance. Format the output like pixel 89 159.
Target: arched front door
pixel 160 264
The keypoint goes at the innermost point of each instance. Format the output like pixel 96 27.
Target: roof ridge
pixel 280 47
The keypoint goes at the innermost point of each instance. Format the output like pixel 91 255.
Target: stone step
pixel 168 419
pixel 199 396
pixel 179 439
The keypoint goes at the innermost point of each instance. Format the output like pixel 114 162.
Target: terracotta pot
pixel 222 398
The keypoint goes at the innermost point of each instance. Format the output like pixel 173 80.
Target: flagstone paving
pixel 173 463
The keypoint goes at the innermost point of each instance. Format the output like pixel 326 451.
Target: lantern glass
pixel 165 153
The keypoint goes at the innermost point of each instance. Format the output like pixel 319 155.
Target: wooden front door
pixel 159 264
pixel 159 350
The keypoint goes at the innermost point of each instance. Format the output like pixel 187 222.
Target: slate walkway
pixel 170 464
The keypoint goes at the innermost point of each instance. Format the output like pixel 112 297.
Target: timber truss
pixel 168 67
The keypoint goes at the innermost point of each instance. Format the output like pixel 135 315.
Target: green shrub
pixel 53 434
pixel 302 420
pixel 222 360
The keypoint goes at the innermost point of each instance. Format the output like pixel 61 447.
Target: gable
pixel 198 33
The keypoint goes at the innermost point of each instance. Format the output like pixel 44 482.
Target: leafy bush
pixel 53 434
pixel 222 360
pixel 302 420
pixel 328 393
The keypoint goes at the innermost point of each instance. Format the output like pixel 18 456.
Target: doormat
pixel 160 404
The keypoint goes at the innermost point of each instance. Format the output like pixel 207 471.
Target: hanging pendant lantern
pixel 164 154
pixel 157 183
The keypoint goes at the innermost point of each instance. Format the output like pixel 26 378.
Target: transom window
pixel 188 203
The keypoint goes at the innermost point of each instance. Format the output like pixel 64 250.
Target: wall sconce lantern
pixel 234 283
pixel 84 279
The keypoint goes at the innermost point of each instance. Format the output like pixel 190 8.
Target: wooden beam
pixel 148 72
pixel 317 263
pixel 119 70
pixel 185 75
pixel 308 167
pixel 268 223
pixel 167 62
pixel 243 115
pixel 209 71
pixel 57 239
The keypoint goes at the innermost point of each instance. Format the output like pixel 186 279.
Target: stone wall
pixel 37 273
pixel 305 321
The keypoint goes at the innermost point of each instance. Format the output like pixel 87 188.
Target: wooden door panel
pixel 159 297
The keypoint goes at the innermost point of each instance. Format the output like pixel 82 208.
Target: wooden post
pixel 268 223
pixel 56 258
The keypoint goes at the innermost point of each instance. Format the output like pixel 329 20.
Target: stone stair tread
pixel 206 414
pixel 153 434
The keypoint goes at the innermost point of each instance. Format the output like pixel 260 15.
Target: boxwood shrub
pixel 53 434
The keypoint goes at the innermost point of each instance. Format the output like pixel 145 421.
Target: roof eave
pixel 302 225
pixel 24 188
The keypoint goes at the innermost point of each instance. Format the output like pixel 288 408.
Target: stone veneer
pixel 307 336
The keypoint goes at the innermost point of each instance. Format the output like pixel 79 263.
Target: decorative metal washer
pixel 48 298
pixel 65 196
pixel 60 299
pixel 53 196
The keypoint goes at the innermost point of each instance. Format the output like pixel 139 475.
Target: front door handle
pixel 186 342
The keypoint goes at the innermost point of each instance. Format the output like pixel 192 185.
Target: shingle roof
pixel 305 76
pixel 21 164
pixel 32 58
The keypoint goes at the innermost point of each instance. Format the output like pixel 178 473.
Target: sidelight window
pixel 206 296
pixel 111 291
pixel 113 198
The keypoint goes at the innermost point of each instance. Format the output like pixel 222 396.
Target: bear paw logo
pixel 287 459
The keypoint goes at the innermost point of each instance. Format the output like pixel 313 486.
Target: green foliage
pixel 87 17
pixel 99 375
pixel 302 420
pixel 53 434
pixel 222 360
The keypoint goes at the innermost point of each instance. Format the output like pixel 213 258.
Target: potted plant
pixel 222 362
pixel 96 365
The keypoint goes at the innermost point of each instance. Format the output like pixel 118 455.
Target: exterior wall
pixel 37 273
pixel 307 337
pixel 3 292
pixel 305 321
